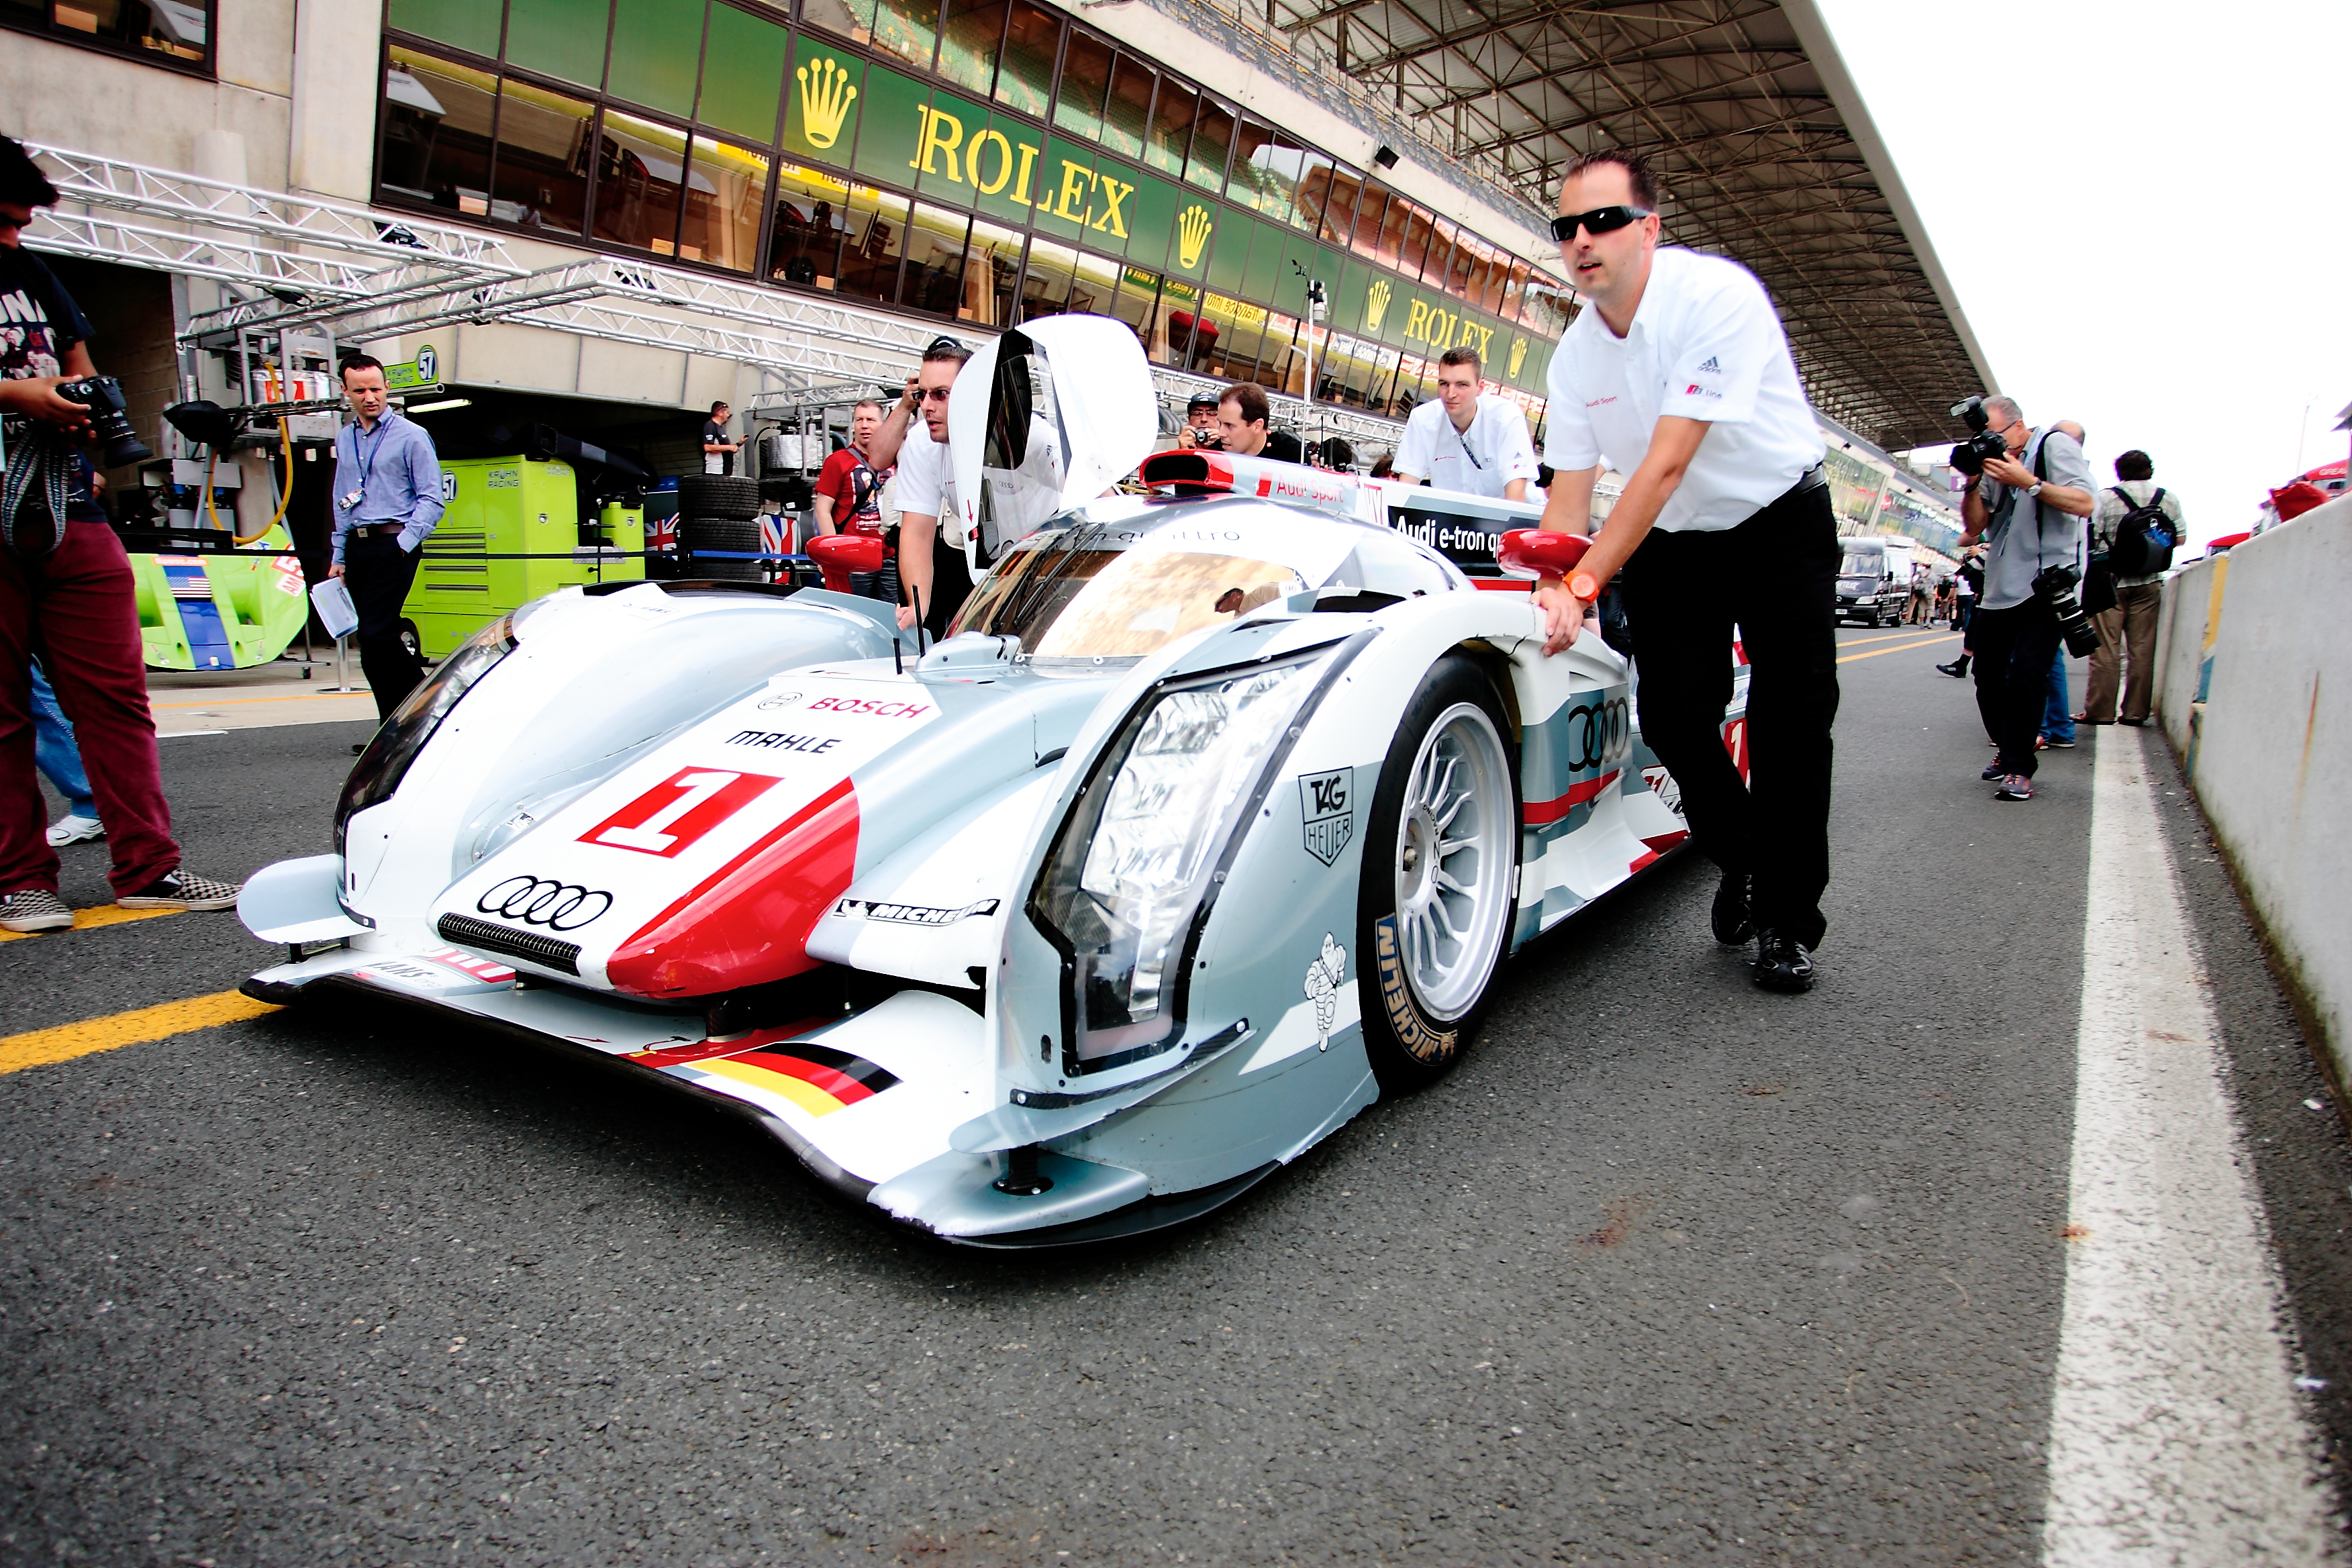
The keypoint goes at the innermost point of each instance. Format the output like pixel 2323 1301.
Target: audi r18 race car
pixel 1213 821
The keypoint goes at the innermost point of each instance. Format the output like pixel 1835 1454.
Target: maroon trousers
pixel 78 609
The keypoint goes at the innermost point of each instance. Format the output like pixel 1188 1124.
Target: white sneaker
pixel 71 829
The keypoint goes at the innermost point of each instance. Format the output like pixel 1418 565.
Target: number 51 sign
pixel 668 817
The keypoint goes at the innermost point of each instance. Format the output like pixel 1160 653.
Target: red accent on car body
pixel 1539 813
pixel 749 921
pixel 1540 552
pixel 838 554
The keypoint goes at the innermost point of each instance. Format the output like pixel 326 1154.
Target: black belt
pixel 378 528
pixel 1812 478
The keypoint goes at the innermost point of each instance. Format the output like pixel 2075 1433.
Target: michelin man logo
pixel 1324 975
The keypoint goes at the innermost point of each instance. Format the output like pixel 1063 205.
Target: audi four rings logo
pixel 544 902
pixel 1597 731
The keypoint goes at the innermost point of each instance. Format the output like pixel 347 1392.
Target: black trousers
pixel 2014 650
pixel 378 571
pixel 1775 578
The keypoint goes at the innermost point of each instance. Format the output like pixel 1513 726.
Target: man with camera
pixel 67 594
pixel 2030 493
pixel 1679 375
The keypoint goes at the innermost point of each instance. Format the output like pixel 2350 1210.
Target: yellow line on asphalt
pixel 1886 637
pixel 1906 648
pixel 90 919
pixel 67 1041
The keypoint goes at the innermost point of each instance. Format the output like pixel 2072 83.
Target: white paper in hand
pixel 336 611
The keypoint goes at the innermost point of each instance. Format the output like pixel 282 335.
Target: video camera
pixel 1970 455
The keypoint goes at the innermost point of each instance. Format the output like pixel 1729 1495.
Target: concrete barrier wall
pixel 2255 694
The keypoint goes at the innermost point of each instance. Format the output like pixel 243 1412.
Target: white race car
pixel 1213 821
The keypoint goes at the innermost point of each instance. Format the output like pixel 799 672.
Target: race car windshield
pixel 1065 601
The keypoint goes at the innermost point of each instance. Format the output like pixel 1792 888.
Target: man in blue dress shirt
pixel 387 503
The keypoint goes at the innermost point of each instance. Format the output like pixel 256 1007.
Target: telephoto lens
pixel 110 421
pixel 2056 587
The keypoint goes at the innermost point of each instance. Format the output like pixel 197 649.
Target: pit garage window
pixel 1065 601
pixel 173 32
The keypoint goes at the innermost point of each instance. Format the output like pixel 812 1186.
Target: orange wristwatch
pixel 1583 587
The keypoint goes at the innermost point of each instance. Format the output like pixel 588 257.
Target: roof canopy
pixel 1764 147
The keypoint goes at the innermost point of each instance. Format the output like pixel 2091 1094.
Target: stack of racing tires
pixel 718 527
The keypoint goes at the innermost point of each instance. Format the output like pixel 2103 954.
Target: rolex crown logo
pixel 1192 227
pixel 825 96
pixel 1519 354
pixel 1376 305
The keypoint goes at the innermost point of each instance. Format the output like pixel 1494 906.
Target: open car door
pixel 1047 416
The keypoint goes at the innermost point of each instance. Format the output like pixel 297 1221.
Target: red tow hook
pixel 838 554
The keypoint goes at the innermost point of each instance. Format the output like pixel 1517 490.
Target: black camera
pixel 110 421
pixel 2055 588
pixel 1970 456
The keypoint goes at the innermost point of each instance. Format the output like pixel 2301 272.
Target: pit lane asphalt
pixel 1669 1270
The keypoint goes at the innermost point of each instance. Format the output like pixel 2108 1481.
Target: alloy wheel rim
pixel 1453 860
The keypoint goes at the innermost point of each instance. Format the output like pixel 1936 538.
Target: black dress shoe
pixel 1733 922
pixel 1957 670
pixel 1782 962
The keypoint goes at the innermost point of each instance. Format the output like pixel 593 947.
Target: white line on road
pixel 2176 1435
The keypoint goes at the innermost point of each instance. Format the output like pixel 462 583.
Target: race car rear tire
pixel 719 495
pixel 1438 892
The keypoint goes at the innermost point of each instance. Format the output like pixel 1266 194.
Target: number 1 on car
pixel 672 815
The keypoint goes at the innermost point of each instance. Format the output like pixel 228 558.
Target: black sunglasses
pixel 1599 220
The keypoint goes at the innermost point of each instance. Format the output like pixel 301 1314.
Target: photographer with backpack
pixel 2132 539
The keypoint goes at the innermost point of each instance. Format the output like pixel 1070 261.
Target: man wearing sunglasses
pixel 930 566
pixel 1677 373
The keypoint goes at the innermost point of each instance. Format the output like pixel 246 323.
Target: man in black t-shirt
pixel 1241 413
pixel 718 451
pixel 66 590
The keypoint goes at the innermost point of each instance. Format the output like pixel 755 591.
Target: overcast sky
pixel 2146 209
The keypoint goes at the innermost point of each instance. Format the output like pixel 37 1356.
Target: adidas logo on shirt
pixel 1710 367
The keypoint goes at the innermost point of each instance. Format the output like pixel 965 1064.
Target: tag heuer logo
pixel 1325 800
pixel 1710 367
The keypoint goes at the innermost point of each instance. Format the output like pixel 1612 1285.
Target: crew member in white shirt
pixel 931 561
pixel 1679 374
pixel 1467 440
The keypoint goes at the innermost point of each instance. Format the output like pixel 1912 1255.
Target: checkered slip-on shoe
pixel 32 910
pixel 180 890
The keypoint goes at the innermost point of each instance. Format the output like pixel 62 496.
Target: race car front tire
pixel 1440 881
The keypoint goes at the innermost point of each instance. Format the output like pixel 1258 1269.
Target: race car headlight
pixel 385 763
pixel 1135 859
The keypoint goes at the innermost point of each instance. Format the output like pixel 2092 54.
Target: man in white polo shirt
pixel 1466 440
pixel 1677 373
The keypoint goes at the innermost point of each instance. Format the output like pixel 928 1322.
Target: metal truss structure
pixel 285 258
pixel 293 263
pixel 1746 111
